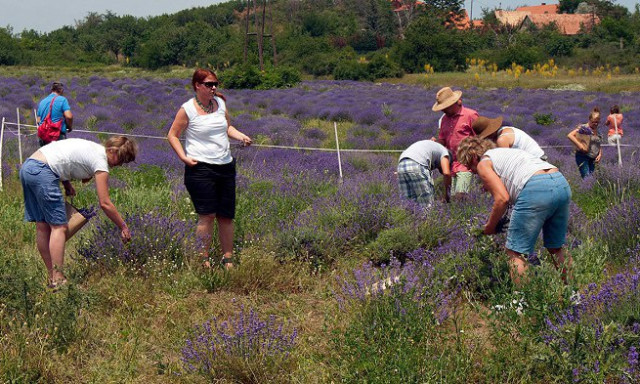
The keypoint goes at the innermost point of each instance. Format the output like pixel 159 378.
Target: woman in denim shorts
pixel 539 193
pixel 63 161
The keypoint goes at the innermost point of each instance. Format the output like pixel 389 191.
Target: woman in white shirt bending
pixel 66 160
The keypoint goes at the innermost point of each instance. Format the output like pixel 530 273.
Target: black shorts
pixel 212 188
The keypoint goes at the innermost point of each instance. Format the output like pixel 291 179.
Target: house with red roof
pixel 541 9
pixel 545 14
pixel 568 24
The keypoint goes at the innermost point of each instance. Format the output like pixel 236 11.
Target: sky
pixel 47 15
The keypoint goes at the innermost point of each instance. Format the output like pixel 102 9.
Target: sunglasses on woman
pixel 210 84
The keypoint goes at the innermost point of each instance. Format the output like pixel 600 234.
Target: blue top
pixel 60 105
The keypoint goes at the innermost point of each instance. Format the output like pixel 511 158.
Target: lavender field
pixel 339 280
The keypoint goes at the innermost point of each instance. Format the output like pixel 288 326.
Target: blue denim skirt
pixel 43 200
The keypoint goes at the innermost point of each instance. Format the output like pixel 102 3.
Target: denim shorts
pixel 43 200
pixel 543 204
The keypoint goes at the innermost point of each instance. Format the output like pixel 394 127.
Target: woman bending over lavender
pixel 66 160
pixel 539 193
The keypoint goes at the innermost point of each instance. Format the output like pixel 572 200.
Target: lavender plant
pixel 596 338
pixel 155 240
pixel 243 348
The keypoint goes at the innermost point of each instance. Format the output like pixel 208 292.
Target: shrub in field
pixel 351 70
pixel 244 348
pixel 394 242
pixel 156 240
pixel 544 118
pixel 618 227
pixel 248 77
pixel 399 311
pixel 333 225
pixel 597 338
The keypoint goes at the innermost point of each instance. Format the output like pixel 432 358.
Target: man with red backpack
pixel 56 108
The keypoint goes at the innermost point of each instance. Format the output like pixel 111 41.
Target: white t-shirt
pixel 206 135
pixel 426 152
pixel 515 167
pixel 75 159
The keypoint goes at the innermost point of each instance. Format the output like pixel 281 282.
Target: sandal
pixel 56 285
pixel 227 262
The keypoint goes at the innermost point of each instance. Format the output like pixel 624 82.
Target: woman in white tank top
pixel 506 136
pixel 209 168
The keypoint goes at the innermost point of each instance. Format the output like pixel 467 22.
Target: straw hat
pixel 484 126
pixel 446 98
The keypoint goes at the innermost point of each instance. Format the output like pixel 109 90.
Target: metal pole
pixel 335 128
pixel 1 142
pixel 19 139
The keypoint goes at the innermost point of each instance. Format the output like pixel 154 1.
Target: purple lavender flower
pixel 245 336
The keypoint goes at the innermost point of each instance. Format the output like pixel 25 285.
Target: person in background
pixel 539 193
pixel 588 144
pixel 210 171
pixel 414 171
pixel 60 111
pixel 66 160
pixel 454 126
pixel 614 123
pixel 506 136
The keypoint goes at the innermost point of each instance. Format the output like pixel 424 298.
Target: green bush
pixel 544 118
pixel 249 77
pixel 320 64
pixel 381 66
pixel 521 54
pixel 351 70
pixel 394 242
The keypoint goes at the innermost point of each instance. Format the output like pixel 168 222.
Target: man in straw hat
pixel 506 136
pixel 454 126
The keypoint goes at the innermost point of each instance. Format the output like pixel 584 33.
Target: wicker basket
pixel 75 220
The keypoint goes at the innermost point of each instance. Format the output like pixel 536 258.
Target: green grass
pixel 113 324
pixel 599 83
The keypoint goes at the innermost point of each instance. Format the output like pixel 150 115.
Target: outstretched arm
pixel 495 186
pixel 102 187
pixel 445 166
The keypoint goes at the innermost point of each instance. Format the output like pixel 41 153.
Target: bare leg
pixel 50 240
pixel 225 231
pixel 56 249
pixel 562 261
pixel 43 234
pixel 517 266
pixel 204 229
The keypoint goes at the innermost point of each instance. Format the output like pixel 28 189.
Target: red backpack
pixel 49 131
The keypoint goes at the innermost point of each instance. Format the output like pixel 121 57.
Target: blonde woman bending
pixel 539 193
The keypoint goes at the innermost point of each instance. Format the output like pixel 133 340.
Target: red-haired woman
pixel 210 171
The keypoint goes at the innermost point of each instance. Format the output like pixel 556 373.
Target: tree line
pixel 346 39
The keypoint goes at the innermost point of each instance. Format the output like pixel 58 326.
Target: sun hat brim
pixel 492 126
pixel 439 106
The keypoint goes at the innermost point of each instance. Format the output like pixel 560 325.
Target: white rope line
pixel 284 146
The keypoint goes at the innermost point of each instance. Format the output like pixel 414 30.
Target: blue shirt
pixel 60 106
